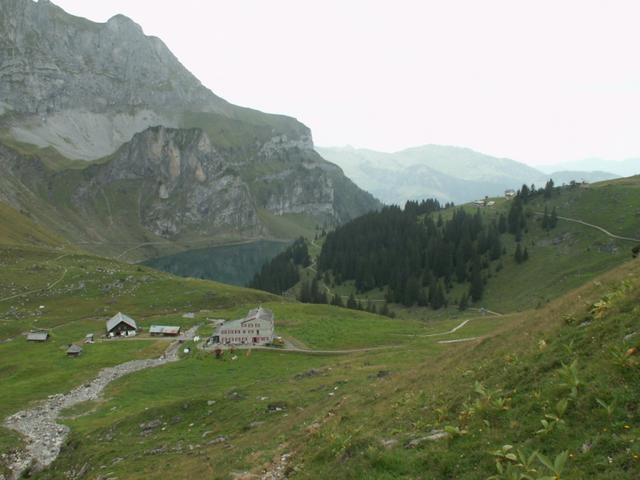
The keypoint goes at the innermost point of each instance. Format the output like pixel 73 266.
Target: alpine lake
pixel 232 264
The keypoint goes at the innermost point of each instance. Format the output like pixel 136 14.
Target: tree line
pixel 418 258
pixel 283 271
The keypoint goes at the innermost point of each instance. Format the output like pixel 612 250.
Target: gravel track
pixel 38 425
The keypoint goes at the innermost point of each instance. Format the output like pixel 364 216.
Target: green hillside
pixel 560 259
pixel 17 229
pixel 369 412
pixel 442 394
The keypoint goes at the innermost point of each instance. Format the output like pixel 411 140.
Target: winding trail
pixel 449 332
pixel 606 232
pixel 38 425
pixel 459 340
pixel 294 349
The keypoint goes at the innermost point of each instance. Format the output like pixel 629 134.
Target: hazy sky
pixel 539 81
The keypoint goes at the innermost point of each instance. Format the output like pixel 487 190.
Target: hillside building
pixel 164 331
pixel 120 325
pixel 74 350
pixel 37 336
pixel 255 329
pixel 508 194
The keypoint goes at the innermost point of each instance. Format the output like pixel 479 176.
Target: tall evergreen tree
pixel 351 302
pixel 548 189
pixel 477 285
pixel 518 253
pixel 553 219
pixel 464 302
pixel 545 218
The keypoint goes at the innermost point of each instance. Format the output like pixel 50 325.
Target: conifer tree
pixel 464 302
pixel 553 219
pixel 477 285
pixel 337 301
pixel 423 299
pixel 518 253
pixel 548 189
pixel 351 302
pixel 545 218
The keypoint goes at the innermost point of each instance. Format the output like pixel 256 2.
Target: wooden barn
pixel 164 331
pixel 74 350
pixel 41 336
pixel 120 325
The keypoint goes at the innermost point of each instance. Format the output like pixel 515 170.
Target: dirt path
pixel 290 347
pixel 38 425
pixel 459 340
pixel 606 232
pixel 449 332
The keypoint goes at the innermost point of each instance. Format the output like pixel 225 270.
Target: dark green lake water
pixel 234 264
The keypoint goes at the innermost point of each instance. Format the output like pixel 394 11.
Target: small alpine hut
pixel 74 350
pixel 120 325
pixel 164 331
pixel 255 329
pixel 40 336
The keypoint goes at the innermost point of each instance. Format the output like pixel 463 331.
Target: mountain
pixel 567 176
pixel 97 120
pixel 622 168
pixel 445 172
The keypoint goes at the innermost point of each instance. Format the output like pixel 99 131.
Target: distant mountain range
pixel 623 168
pixel 450 174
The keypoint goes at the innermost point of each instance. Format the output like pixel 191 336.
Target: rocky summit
pixel 96 118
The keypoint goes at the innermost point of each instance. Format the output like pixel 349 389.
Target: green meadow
pixel 509 400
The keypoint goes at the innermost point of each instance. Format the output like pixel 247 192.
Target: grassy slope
pixel 78 293
pixel 561 259
pixel 522 369
pixel 571 254
pixel 335 422
pixel 17 229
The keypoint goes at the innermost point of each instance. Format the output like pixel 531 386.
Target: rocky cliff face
pixel 174 159
pixel 183 184
pixel 52 61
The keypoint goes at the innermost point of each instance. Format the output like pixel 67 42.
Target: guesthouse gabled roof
pixel 259 314
pixel 118 318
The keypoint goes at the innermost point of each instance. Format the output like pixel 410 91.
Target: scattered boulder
pixel 235 396
pixel 276 407
pixel 389 443
pixel 253 425
pixel 218 439
pixel 150 426
pixel 308 374
pixel 433 436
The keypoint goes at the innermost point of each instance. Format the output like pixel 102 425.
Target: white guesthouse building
pixel 255 329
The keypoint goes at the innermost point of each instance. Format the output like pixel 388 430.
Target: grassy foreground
pixel 548 389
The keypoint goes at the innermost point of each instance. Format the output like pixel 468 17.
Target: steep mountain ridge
pixel 173 189
pixel 86 87
pixel 168 159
